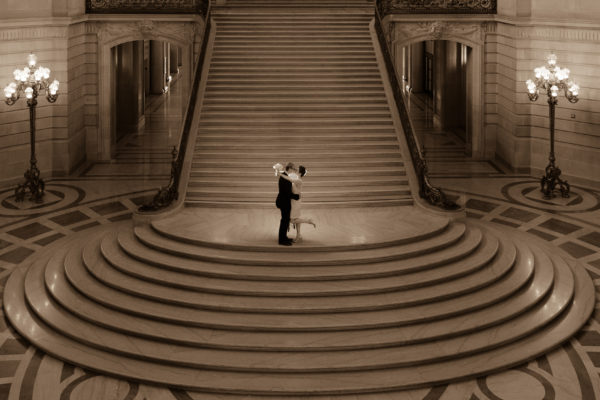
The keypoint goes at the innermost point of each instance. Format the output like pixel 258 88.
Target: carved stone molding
pixel 437 7
pixel 405 32
pixel 43 32
pixel 180 32
pixel 556 33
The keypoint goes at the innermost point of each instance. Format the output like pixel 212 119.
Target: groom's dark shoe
pixel 285 242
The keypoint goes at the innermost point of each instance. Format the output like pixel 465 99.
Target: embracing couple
pixel 288 201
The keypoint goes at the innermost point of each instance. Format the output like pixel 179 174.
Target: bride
pixel 295 215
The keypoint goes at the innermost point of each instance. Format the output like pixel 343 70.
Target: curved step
pixel 445 239
pixel 333 297
pixel 323 361
pixel 256 384
pixel 506 286
pixel 270 285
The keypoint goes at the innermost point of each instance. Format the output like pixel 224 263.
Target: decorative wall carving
pixel 176 31
pixel 436 7
pixel 147 6
pixel 405 32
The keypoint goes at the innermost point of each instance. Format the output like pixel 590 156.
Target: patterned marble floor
pixel 75 204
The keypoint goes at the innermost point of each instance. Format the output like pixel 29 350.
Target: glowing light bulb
pixel 574 89
pixel 552 59
pixel 531 86
pixel 538 73
pixel 545 73
pixel 554 90
pixel 39 74
pixel 7 92
pixel 53 87
pixel 29 92
pixel 31 60
pixel 17 74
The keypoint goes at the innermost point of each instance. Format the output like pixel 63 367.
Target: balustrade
pixel 147 6
pixel 436 7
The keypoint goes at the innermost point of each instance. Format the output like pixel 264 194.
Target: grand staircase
pixel 376 300
pixel 301 86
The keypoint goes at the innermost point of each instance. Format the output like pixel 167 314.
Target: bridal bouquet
pixel 277 167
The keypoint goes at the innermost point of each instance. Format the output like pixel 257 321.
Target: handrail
pixel 168 194
pixel 433 195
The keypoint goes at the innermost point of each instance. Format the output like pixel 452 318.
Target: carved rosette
pixel 147 6
pixel 437 7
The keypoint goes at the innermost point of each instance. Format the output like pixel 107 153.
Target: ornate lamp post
pixel 551 79
pixel 31 81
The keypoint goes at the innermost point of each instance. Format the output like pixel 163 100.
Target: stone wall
pixel 515 131
pixel 513 50
pixel 66 41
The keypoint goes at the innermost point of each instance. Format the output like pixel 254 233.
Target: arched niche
pixel 112 34
pixel 406 33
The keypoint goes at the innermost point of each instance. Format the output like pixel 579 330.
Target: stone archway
pixel 406 33
pixel 111 34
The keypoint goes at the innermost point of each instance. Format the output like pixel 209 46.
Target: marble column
pixel 417 67
pixel 129 87
pixel 157 66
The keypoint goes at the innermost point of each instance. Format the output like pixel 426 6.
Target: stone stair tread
pixel 333 296
pixel 394 227
pixel 57 283
pixel 315 361
pixel 273 285
pixel 526 348
pixel 225 202
pixel 300 257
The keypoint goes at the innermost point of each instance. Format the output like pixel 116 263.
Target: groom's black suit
pixel 284 203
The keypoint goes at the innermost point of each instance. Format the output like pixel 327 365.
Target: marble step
pixel 232 282
pixel 306 156
pixel 152 239
pixel 330 361
pixel 293 29
pixel 80 280
pixel 310 194
pixel 327 131
pixel 267 183
pixel 107 362
pixel 326 114
pixel 291 80
pixel 316 175
pixel 349 50
pixel 495 314
pixel 278 107
pixel 267 164
pixel 264 204
pixel 236 140
pixel 287 21
pixel 345 296
pixel 315 75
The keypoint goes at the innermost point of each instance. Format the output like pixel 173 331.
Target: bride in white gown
pixel 296 213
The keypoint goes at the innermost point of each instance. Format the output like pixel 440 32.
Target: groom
pixel 284 203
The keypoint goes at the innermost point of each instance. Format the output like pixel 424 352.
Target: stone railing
pixel 147 6
pixel 431 194
pixel 167 195
pixel 386 7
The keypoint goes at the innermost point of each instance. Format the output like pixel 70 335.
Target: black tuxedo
pixel 284 203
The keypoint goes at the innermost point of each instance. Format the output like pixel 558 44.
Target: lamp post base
pixel 33 183
pixel 551 179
